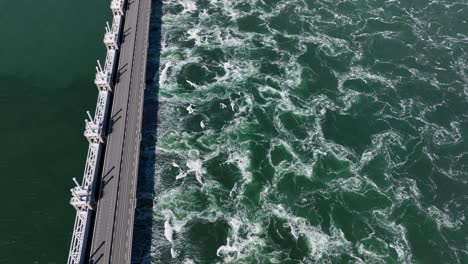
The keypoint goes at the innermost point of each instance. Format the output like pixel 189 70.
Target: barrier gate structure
pixel 83 195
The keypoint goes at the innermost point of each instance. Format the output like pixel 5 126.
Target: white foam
pixel 189 6
pixel 168 231
pixel 188 261
pixel 174 253
pixel 194 85
pixel 181 175
pixel 244 239
pixel 236 70
pixel 190 108
pixel 194 33
pixel 196 166
pixel 163 72
pixel 232 105
pixel 227 251
pixel 443 219
pixel 320 244
pixel 242 161
pixel 294 232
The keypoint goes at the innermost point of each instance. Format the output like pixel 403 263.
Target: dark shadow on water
pixel 143 224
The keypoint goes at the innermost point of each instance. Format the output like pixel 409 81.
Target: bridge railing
pixel 83 195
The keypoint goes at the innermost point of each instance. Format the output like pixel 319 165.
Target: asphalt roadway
pixel 113 227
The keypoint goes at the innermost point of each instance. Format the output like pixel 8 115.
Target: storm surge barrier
pixel 84 195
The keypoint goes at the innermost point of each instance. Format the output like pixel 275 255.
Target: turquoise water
pixel 303 131
pixel 48 51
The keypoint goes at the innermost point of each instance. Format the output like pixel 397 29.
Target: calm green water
pixel 48 51
pixel 302 131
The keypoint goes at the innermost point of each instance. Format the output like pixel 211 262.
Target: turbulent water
pixel 303 131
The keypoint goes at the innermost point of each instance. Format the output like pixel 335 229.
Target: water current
pixel 301 131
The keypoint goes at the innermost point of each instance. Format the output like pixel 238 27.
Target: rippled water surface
pixel 303 131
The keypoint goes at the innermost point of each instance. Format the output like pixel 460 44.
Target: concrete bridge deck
pixel 113 226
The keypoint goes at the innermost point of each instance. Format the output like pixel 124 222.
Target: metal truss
pixel 83 201
pixel 94 130
pixel 117 7
pixel 80 234
pixel 104 75
pixel 83 194
pixel 111 38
